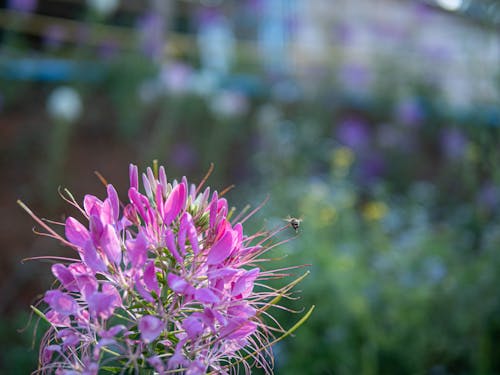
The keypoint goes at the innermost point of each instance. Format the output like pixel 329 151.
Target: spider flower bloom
pixel 164 282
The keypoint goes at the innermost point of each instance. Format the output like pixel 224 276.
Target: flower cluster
pixel 165 283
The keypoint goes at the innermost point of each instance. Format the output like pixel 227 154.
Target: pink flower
pixel 103 304
pixel 150 328
pixel 62 303
pixel 167 282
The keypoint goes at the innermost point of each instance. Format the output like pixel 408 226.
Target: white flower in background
pixel 103 7
pixel 229 103
pixel 64 103
pixel 216 42
pixel 176 77
pixel 204 83
pixel 451 5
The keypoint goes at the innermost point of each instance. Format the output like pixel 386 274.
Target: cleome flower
pixel 165 283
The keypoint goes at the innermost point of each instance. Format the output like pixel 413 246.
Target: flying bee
pixel 294 222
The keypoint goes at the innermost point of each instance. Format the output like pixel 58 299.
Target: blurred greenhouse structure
pixel 377 122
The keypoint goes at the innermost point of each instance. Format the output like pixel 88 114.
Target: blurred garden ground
pixel 376 122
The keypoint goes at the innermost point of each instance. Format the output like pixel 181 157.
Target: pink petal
pixel 196 367
pixel 136 199
pixel 134 176
pixel 106 213
pixel 96 229
pixel 92 259
pixel 242 311
pixel 175 203
pixel 244 284
pixel 238 229
pixel 205 295
pixel 65 277
pixel 103 304
pixel 222 206
pixel 238 328
pixel 75 232
pixel 177 283
pixel 150 327
pixel 221 250
pixel 61 303
pixel 181 239
pixel 70 337
pixel 226 274
pixel 137 250
pixel 150 277
pixel 112 332
pixel 213 210
pixel 114 201
pixel 111 245
pixel 193 326
pixel 147 185
pixel 151 178
pixel 187 225
pixel 58 319
pixel 92 205
pixel 171 246
pixel 163 179
pixel 159 200
pixel 139 286
pixel 87 283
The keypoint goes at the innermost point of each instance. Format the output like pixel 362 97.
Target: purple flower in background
pixel 176 77
pixel 371 167
pixel 453 144
pixel 355 77
pixel 163 281
pixel 353 132
pixel 27 6
pixel 108 49
pixel 409 111
pixel 151 27
pixel 184 155
pixel 342 33
pixel 255 6
pixel 488 195
pixel 54 36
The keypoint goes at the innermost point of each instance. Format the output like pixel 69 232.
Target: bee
pixel 294 222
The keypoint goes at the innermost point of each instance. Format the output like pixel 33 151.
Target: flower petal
pixel 134 176
pixel 75 232
pixel 175 203
pixel 238 328
pixel 92 259
pixel 114 201
pixel 65 277
pixel 137 250
pixel 150 277
pixel 193 326
pixel 177 283
pixel 221 249
pixel 103 304
pixel 150 327
pixel 171 246
pixel 61 303
pixel 205 295
pixel 91 204
pixel 110 244
pixel 244 284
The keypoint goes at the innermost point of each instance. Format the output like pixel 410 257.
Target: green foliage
pixel 21 335
pixel 397 290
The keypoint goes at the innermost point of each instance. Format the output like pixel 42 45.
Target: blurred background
pixel 375 121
